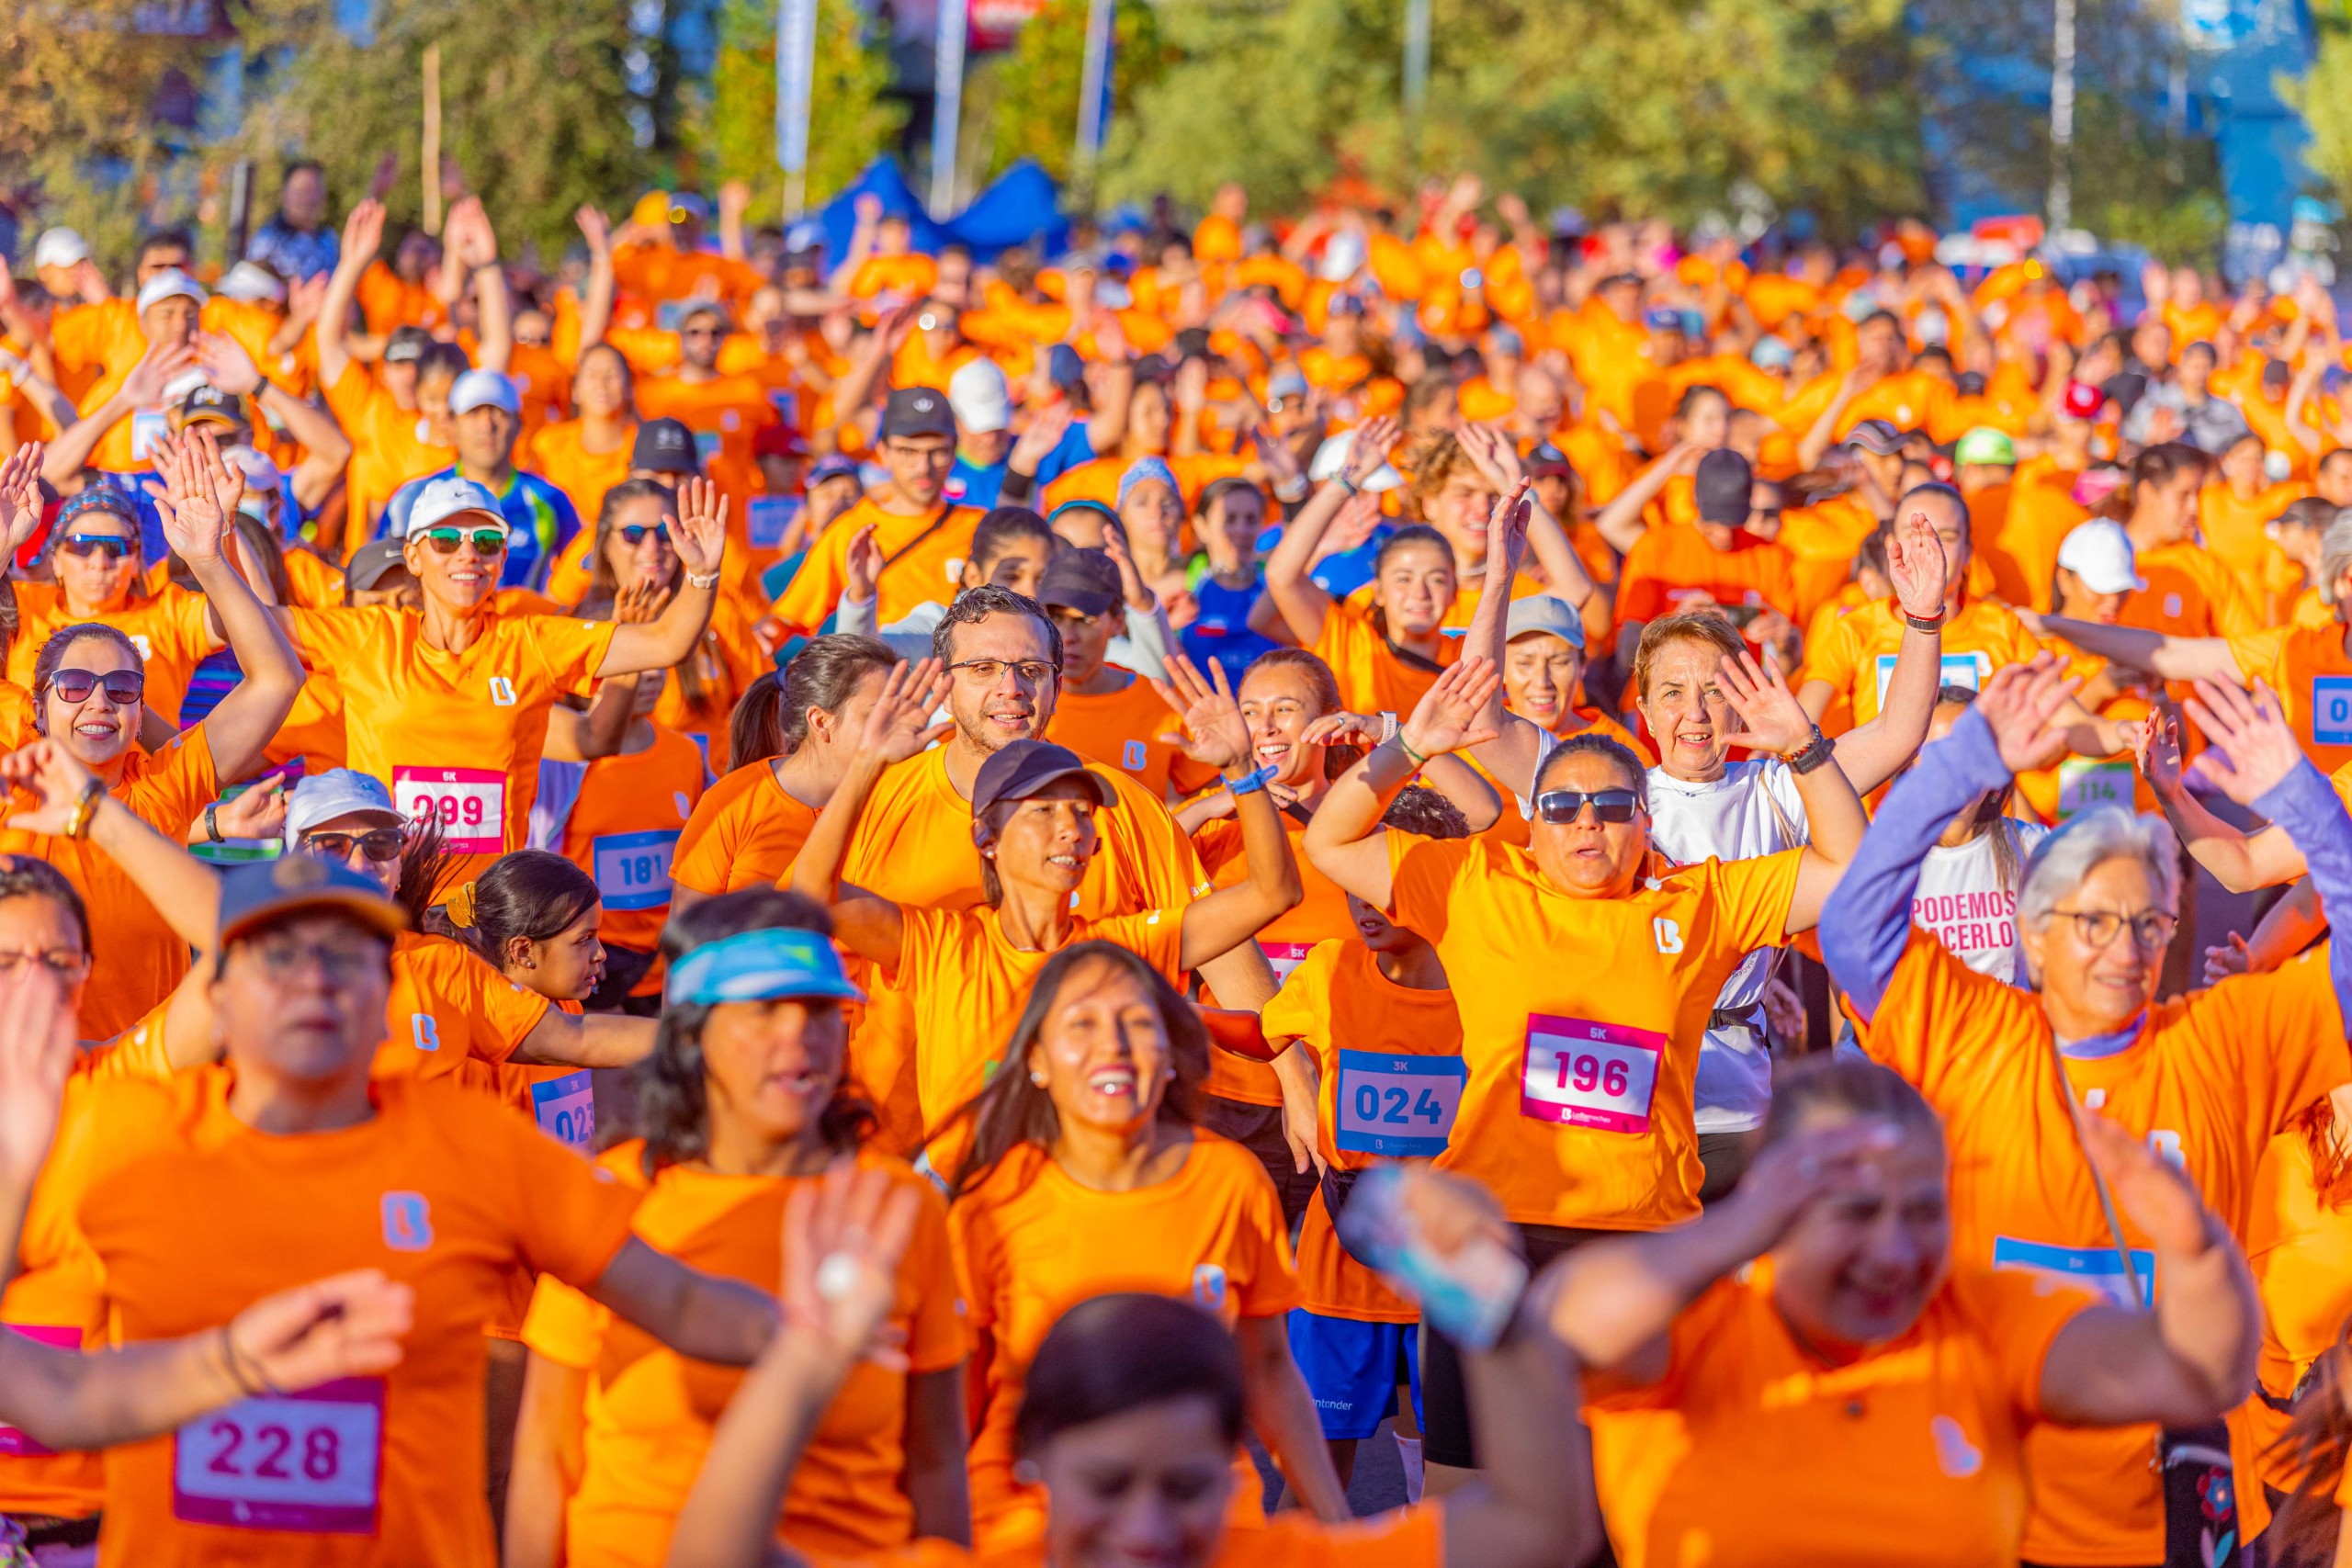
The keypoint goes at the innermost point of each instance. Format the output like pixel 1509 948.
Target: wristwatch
pixel 212 824
pixel 1924 623
pixel 1812 755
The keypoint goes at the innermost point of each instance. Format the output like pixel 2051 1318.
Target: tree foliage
pixel 851 116
pixel 1033 108
pixel 2324 97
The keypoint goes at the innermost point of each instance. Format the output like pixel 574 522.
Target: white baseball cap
pixel 483 388
pixel 251 282
pixel 2100 552
pixel 61 247
pixel 451 496
pixel 982 403
pixel 1331 461
pixel 337 792
pixel 171 283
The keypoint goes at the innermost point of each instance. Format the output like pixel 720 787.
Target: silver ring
pixel 836 1276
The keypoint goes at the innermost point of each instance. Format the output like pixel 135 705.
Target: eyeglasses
pixel 114 547
pixel 1615 806
pixel 2151 929
pixel 283 957
pixel 485 541
pixel 1063 615
pixel 68 966
pixel 123 687
pixel 989 671
pixel 634 533
pixel 377 843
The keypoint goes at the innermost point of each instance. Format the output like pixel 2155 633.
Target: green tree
pixel 851 116
pixel 2324 97
pixel 1035 90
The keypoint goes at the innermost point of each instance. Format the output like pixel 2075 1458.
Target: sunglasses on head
pixel 113 546
pixel 485 541
pixel 634 533
pixel 1615 806
pixel 124 687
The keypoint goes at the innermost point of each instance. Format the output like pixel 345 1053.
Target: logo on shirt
pixel 956 571
pixel 408 1222
pixel 1955 1455
pixel 502 691
pixel 686 807
pixel 1208 1286
pixel 2166 1144
pixel 1132 756
pixel 139 641
pixel 1668 934
pixel 2172 605
pixel 425 1030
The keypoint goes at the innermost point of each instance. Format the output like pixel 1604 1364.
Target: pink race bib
pixel 1285 956
pixel 310 1462
pixel 14 1444
pixel 470 803
pixel 1583 1074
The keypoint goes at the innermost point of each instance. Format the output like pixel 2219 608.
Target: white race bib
pixel 1583 1074
pixel 767 517
pixel 1285 956
pixel 1401 1106
pixel 149 428
pixel 1969 669
pixel 310 1462
pixel 565 1108
pixel 2331 709
pixel 633 869
pixel 2084 783
pixel 470 803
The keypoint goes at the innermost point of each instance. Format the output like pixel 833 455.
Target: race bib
pixel 1968 670
pixel 565 1108
pixel 633 869
pixel 1402 1106
pixel 2095 1268
pixel 310 1462
pixel 470 803
pixel 14 1444
pixel 2331 709
pixel 148 429
pixel 1285 956
pixel 767 517
pixel 1582 1074
pixel 2083 784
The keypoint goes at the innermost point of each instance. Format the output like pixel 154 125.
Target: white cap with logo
pixel 2100 552
pixel 483 388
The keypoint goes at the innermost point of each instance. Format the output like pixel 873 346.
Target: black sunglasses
pixel 634 533
pixel 124 687
pixel 380 844
pixel 1567 804
pixel 111 545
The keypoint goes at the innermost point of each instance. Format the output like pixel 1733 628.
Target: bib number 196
pixel 1582 1074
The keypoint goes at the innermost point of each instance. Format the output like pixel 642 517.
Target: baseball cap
pixel 169 284
pixel 1064 367
pixel 2083 400
pixel 978 398
pixel 1084 581
pixel 484 390
pixel 665 447
pixel 2100 552
pixel 265 892
pixel 1546 461
pixel 1619 280
pixel 685 204
pixel 1985 445
pixel 371 561
pixel 1543 612
pixel 207 404
pixel 1723 486
pixel 1344 305
pixel 61 247
pixel 323 797
pixel 778 441
pixel 1020 768
pixel 451 496
pixel 760 965
pixel 406 343
pixel 1878 437
pixel 1662 319
pixel 1330 462
pixel 1771 354
pixel 832 467
pixel 917 411
pixel 1286 382
pixel 249 281
pixel 260 473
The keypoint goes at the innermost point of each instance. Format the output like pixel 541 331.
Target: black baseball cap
pixel 665 447
pixel 1723 486
pixel 917 411
pixel 406 344
pixel 832 466
pixel 372 560
pixel 1084 581
pixel 1017 771
pixel 209 403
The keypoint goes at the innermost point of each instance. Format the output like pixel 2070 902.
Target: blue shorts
pixel 1351 1369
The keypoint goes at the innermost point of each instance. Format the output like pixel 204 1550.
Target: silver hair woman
pixel 2107 863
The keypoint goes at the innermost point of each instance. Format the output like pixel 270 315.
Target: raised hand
pixel 1491 453
pixel 594 228
pixel 862 567
pixel 255 813
pixel 1788 1177
pixel 1507 524
pixel 1914 564
pixel 1769 715
pixel 2158 753
pixel 1342 729
pixel 47 768
pixel 345 1326
pixel 20 496
pixel 699 534
pixel 2152 1193
pixel 227 365
pixel 1215 735
pixel 639 602
pixel 198 516
pixel 363 229
pixel 1038 443
pixel 843 1236
pixel 156 369
pixel 37 1046
pixel 1368 450
pixel 2254 746
pixel 1131 583
pixel 2021 703
pixel 1358 518
pixel 899 726
pixel 1451 715
pixel 304 297
pixel 2233 957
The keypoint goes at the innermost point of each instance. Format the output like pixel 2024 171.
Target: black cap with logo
pixel 665 447
pixel 917 411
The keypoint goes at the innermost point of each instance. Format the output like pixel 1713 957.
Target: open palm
pixel 1215 735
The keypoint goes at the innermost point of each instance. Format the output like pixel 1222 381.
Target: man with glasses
pixel 487 414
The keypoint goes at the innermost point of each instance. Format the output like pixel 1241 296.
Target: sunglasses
pixel 124 687
pixel 634 533
pixel 378 844
pixel 485 541
pixel 115 547
pixel 1615 806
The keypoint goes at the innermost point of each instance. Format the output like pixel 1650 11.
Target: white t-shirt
pixel 1752 811
pixel 1961 899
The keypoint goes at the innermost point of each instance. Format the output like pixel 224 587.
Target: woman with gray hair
pixel 2207 1078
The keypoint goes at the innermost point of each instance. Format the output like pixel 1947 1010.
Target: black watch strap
pixel 212 824
pixel 1920 624
pixel 1813 753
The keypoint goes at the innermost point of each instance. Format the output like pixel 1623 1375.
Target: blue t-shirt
pixel 981 486
pixel 1221 631
pixel 541 521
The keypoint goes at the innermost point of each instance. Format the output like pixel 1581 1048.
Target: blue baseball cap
pixel 760 965
pixel 263 893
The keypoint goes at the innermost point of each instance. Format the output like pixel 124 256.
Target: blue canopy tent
pixel 1023 206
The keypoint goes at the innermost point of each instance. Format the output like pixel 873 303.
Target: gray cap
pixel 371 561
pixel 1543 612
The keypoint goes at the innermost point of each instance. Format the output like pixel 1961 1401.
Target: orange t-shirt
pixel 2189 594
pixel 1822 540
pixel 725 413
pixel 1388 1063
pixel 1579 1105
pixel 925 552
pixel 167 628
pixel 1667 566
pixel 2298 1247
pixel 656 271
pixel 456 733
pixel 746 831
pixel 2235 530
pixel 136 957
pixel 1321 915
pixel 2312 675
pixel 1751 1451
pixel 183 1209
pixel 1401 1537
pixel 2042 512
pixel 1130 730
pixel 17 709
pixel 1375 674
pixel 451 1014
pixel 2212 1079
pixel 388 300
pixel 556 454
pixel 624 830
pixel 650 1411
pixel 1857 657
pixel 1032 1243
pixel 388 447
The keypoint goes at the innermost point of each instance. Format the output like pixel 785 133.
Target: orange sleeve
pixel 499 1015
pixel 1264 1279
pixel 1423 873
pixel 564 1325
pixel 935 1338
pixel 573 1217
pixel 139 1052
pixel 1751 900
pixel 569 650
pixel 1402 1537
pixel 2256 654
pixel 703 854
pixel 1944 1026
pixel 1157 934
pixel 1300 1010
pixel 2287 1027
pixel 810 597
pixel 1839 653
pixel 2019 1313
pixel 182 783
